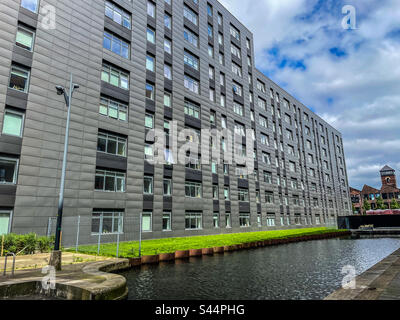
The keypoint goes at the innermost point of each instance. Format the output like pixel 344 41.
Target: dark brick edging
pixel 178 255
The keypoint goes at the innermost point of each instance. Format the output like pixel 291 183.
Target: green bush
pixel 26 243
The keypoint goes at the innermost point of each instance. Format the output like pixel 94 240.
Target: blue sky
pixel 351 78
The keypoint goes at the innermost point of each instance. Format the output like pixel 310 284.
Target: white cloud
pixel 359 92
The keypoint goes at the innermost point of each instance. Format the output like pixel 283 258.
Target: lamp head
pixel 60 90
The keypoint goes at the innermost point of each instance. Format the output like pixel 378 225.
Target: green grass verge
pixel 170 245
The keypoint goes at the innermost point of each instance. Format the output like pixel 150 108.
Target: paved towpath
pixel 381 282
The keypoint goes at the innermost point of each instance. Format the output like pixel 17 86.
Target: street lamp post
pixel 55 259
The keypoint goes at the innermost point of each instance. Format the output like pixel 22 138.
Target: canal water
pixel 298 271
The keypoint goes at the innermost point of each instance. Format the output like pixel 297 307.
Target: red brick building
pixel 388 192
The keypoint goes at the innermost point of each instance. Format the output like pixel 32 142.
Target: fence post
pixel 118 244
pixel 140 236
pixel 100 231
pixel 2 245
pixel 49 228
pixel 77 233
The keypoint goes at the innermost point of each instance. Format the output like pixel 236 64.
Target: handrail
pixel 5 263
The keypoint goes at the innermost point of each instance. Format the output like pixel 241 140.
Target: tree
pixel 366 206
pixel 394 204
pixel 379 203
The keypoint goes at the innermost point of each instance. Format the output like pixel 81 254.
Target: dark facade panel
pixel 244 207
pixel 114 92
pixel 118 29
pixel 110 161
pixel 22 56
pixel 192 122
pixel 10 145
pixel 194 175
pixel 28 17
pixel 16 99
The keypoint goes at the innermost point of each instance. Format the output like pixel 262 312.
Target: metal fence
pixel 101 236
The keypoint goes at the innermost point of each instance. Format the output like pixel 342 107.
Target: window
pixel 191 84
pixel 210 31
pixel 215 192
pixel 239 129
pixel 238 108
pixel 167 100
pixel 194 221
pixel 115 77
pixel 222 101
pixel 192 109
pixel 191 37
pixel 263 121
pixel 236 51
pixel 111 144
pixel 211 72
pixel 220 39
pixel 244 220
pixel 31 5
pixel 113 109
pixel 13 123
pixel 166 221
pixel 292 166
pixel 222 79
pixel 227 195
pixel 150 63
pixel 116 45
pixel 118 15
pixel 147 221
pixel 167 71
pixel 167 21
pixel 107 221
pixel 262 104
pixel 167 187
pixel 269 197
pixel 193 162
pixel 149 121
pixel 25 38
pixel 209 10
pixel 264 139
pixel 167 46
pixel 243 195
pixel 111 181
pixel 270 220
pixel 260 86
pixel 216 220
pixel 151 35
pixel 221 59
pixel 235 33
pixel 148 185
pixel 151 9
pixel 149 91
pixel 266 158
pixel 190 15
pixel 236 69
pixel 148 152
pixel 220 19
pixel 19 78
pixel 268 177
pixel 8 170
pixel 237 89
pixel 191 60
pixel 228 223
pixel 193 190
pixel 213 117
pixel 211 51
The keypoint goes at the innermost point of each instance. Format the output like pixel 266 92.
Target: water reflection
pixel 305 270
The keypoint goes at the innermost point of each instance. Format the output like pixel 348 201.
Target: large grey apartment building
pixel 145 65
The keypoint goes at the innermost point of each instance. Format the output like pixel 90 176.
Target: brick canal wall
pixel 134 262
